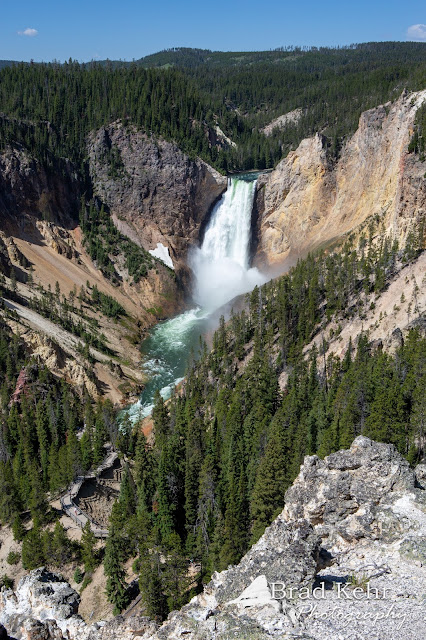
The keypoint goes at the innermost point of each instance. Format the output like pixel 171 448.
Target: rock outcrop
pixel 310 200
pixel 345 559
pixel 5 263
pixel 345 496
pixel 44 607
pixel 27 188
pixel 290 118
pixel 42 596
pixel 59 362
pixel 287 551
pixel 154 191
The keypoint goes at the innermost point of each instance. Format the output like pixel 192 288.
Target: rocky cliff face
pixel 345 559
pixel 26 188
pixel 155 194
pixel 40 236
pixel 154 191
pixel 5 262
pixel 309 200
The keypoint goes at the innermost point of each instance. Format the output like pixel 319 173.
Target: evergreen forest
pixel 183 94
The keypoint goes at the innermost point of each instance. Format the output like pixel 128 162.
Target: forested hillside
pixel 231 442
pixel 183 95
pixel 41 416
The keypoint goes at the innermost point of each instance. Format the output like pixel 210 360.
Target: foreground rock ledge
pixel 353 528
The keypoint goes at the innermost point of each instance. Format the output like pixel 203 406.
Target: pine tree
pixel 165 521
pixel 88 553
pixel 268 492
pixel 33 549
pixel 127 498
pixel 116 587
pixel 9 498
pixel 144 473
pixel 59 547
pixel 151 585
pixel 42 426
pixel 160 417
pixel 74 456
pixel 37 502
pixel 175 579
pixel 18 529
pixel 235 526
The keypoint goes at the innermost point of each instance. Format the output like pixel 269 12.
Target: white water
pixel 221 264
pixel 222 270
pixel 166 352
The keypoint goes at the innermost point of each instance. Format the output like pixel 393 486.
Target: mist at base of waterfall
pixel 218 283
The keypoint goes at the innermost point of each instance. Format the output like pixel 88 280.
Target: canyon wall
pixel 309 200
pixel 155 192
pixel 28 188
pixel 41 243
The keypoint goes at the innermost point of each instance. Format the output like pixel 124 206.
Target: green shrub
pixel 13 557
pixel 87 580
pixel 6 582
pixel 78 575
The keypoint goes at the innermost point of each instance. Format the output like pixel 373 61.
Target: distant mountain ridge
pixel 189 57
pixel 198 92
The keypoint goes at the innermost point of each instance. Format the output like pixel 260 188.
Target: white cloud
pixel 29 31
pixel 417 32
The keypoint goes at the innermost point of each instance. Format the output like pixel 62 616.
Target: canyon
pixel 212 345
pixel 162 201
pixel 358 515
pixel 40 235
pixel 157 194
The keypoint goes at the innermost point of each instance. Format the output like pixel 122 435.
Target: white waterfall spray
pixel 221 264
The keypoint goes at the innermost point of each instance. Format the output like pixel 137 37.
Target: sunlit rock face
pixel 309 200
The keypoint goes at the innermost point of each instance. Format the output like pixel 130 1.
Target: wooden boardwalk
pixel 71 509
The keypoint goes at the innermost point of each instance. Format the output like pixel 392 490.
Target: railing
pixel 72 510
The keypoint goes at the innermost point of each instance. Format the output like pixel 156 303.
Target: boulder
pixel 287 552
pixel 420 473
pixel 343 496
pixel 41 596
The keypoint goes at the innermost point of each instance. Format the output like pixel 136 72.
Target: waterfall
pixel 221 264
pixel 221 267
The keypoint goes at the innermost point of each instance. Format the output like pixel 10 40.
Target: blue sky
pixel 85 30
